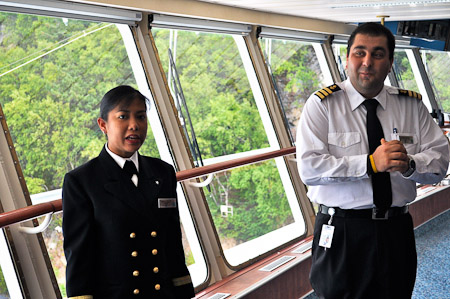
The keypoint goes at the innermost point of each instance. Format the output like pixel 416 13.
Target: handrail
pixel 204 183
pixel 30 212
pixel 217 167
pixel 37 229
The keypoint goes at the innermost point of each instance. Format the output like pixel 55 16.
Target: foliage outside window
pixel 216 89
pixel 53 74
pixel 248 202
pixel 403 71
pixel 340 55
pixel 257 199
pixel 3 288
pixel 52 103
pixel 297 74
pixel 437 65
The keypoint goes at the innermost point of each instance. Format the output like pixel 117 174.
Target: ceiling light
pixel 389 4
pixel 268 32
pixel 72 10
pixel 182 23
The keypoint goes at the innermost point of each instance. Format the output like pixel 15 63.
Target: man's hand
pixel 391 156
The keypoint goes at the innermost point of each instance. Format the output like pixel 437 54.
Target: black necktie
pixel 130 168
pixel 381 181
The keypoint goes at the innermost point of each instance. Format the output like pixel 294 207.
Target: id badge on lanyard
pixel 326 235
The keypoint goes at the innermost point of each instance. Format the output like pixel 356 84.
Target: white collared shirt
pixel 332 146
pixel 121 162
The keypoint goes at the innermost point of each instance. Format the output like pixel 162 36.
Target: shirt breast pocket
pixel 344 144
pixel 410 142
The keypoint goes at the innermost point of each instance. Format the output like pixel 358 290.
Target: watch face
pixel 411 168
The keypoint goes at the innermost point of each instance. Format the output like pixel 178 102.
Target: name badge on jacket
pixel 167 203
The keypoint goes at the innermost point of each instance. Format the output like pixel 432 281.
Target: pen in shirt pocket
pixel 394 135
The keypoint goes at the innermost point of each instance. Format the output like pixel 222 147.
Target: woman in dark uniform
pixel 122 236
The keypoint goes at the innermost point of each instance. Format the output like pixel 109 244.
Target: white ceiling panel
pixel 349 11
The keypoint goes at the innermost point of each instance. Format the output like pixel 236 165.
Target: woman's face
pixel 125 127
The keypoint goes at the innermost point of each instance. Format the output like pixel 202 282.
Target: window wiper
pixel 279 96
pixel 183 113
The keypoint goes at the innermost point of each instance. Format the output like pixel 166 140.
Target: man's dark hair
pixel 373 29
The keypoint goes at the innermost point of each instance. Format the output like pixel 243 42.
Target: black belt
pixel 374 213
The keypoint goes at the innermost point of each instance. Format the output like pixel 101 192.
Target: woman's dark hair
pixel 373 29
pixel 120 94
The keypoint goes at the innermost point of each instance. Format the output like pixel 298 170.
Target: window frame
pixel 272 137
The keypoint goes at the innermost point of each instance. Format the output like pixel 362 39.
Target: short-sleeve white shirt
pixel 332 146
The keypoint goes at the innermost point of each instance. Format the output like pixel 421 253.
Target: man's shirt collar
pixel 356 99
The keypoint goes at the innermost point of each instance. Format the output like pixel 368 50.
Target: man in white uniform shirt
pixel 364 243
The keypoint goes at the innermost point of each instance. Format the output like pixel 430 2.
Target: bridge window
pixel 298 69
pixel 406 67
pixel 9 283
pixel 403 70
pixel 340 54
pixel 223 115
pixel 53 73
pixel 437 64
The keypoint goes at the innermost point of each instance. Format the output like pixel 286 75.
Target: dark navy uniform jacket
pixel 117 242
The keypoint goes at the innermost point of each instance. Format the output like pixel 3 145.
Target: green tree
pixel 52 103
pixel 258 200
pixel 214 80
pixel 403 71
pixel 3 287
pixel 53 74
pixel 437 65
pixel 297 74
pixel 226 121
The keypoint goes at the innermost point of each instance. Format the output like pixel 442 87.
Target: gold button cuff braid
pixel 181 280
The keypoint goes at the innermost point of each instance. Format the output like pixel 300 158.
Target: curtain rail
pixel 30 212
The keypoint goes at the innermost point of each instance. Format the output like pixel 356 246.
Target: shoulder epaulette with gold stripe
pixel 324 92
pixel 410 93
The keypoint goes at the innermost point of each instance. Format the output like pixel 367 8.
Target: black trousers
pixel 367 259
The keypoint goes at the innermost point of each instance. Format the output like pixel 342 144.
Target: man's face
pixel 368 64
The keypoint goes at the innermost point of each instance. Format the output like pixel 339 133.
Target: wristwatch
pixel 411 168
